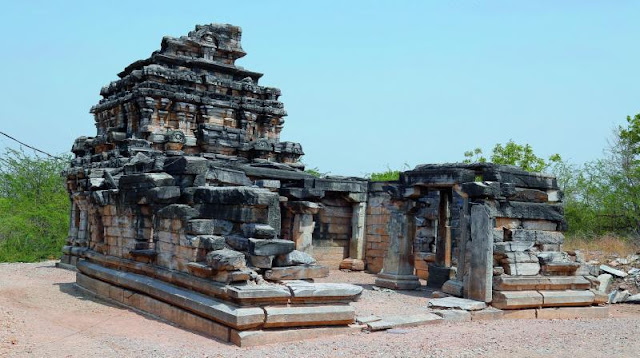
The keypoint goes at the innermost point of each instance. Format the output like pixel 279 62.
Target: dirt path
pixel 42 314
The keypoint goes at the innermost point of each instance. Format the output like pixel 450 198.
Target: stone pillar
pixel 479 284
pixel 303 224
pixel 355 262
pixel 397 270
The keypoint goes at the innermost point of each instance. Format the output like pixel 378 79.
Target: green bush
pixel 34 207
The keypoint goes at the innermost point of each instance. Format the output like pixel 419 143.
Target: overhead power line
pixel 28 146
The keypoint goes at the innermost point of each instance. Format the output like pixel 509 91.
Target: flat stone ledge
pixel 456 303
pixel 260 337
pixel 219 311
pixel 308 315
pixel 404 321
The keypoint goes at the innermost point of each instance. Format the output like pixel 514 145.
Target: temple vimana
pixel 187 205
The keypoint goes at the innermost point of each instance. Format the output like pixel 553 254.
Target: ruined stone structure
pixel 187 205
pixel 487 232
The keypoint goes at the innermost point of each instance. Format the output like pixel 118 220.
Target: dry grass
pixel 606 245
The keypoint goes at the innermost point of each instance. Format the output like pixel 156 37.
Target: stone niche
pixel 187 205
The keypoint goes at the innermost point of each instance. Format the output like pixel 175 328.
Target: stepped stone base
pixel 510 300
pixel 219 319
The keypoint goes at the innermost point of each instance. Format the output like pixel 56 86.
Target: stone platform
pixel 321 308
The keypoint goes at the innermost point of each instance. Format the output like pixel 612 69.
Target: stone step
pixel 308 315
pixel 567 298
pixel 509 300
pixel 553 283
pixel 456 303
pixel 306 292
pixel 404 321
pixel 228 314
pixel 270 336
pixel 301 272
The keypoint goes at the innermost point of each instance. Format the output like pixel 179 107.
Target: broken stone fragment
pixel 262 247
pixel 259 231
pixel 605 281
pixel 457 303
pixel 294 258
pixel 613 271
pixel 226 259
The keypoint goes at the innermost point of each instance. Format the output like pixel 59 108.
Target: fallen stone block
pixel 404 321
pixel 618 296
pixel 456 303
pixel 367 319
pixel 605 282
pixel 302 272
pixel 633 299
pixel 454 315
pixel 612 271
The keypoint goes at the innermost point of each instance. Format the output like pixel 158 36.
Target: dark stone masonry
pixel 187 205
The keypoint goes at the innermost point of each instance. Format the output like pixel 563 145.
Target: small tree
pixel 34 207
pixel 512 153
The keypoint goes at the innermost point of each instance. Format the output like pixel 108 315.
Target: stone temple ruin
pixel 187 205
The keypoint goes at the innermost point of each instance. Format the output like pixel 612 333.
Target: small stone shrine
pixel 188 206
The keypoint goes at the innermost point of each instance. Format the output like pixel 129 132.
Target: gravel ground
pixel 42 314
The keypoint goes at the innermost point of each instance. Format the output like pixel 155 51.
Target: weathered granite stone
pixel 294 258
pixel 258 231
pixel 262 247
pixel 226 259
pixel 302 272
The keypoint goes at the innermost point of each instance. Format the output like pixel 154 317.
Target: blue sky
pixel 367 84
